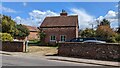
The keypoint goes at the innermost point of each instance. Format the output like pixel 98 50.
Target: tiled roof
pixel 58 21
pixel 31 28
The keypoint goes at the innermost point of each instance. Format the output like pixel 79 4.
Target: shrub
pixel 5 37
pixel 105 32
pixel 111 40
pixel 117 38
pixel 88 33
pixel 41 35
pixel 22 32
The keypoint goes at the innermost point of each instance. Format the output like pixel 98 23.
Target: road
pixel 36 61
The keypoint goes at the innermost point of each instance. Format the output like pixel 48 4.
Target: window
pixel 63 38
pixel 52 38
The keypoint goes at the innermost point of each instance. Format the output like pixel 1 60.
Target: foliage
pixel 88 33
pixel 111 40
pixel 117 37
pixel 118 30
pixel 105 22
pixel 5 37
pixel 23 31
pixel 0 23
pixel 8 25
pixel 41 35
pixel 34 42
pixel 0 28
pixel 105 32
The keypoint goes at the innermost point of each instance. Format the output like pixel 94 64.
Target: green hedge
pixel 117 38
pixel 5 37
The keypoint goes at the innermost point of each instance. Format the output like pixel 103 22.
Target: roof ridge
pixel 60 16
pixel 28 25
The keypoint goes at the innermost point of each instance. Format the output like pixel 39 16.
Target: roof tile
pixel 60 21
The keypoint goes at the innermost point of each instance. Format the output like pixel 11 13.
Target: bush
pixel 111 40
pixel 22 31
pixel 105 32
pixel 117 38
pixel 5 37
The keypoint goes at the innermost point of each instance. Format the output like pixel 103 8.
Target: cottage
pixel 60 28
pixel 33 32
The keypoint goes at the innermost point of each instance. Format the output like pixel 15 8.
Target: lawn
pixel 42 50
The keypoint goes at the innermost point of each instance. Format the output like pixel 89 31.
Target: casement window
pixel 63 38
pixel 52 38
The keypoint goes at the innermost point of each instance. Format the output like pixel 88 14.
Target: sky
pixel 33 13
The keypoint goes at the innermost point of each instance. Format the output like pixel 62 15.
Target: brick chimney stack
pixel 64 13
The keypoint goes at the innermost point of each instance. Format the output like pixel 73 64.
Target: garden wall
pixel 90 50
pixel 13 46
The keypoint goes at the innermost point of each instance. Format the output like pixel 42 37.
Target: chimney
pixel 64 13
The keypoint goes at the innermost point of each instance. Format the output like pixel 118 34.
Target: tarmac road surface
pixel 8 60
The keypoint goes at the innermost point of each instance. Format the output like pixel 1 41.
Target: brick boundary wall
pixel 13 46
pixel 90 51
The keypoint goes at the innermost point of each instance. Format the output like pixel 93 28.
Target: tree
pixel 41 36
pixel 8 25
pixel 0 28
pixel 118 30
pixel 105 22
pixel 105 32
pixel 11 27
pixel 88 33
pixel 22 31
pixel 117 37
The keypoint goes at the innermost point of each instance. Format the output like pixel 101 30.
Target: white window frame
pixel 52 39
pixel 62 39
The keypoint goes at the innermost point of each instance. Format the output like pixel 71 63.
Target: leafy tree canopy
pixel 88 33
pixel 11 27
pixel 23 31
pixel 8 25
pixel 105 22
pixel 105 32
